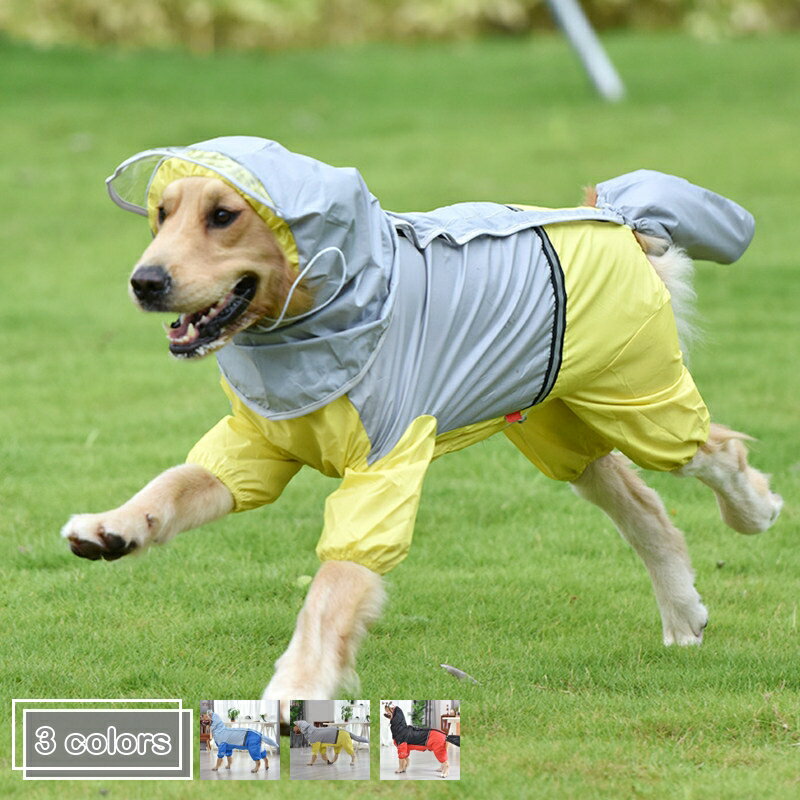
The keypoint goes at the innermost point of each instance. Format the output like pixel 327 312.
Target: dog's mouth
pixel 197 334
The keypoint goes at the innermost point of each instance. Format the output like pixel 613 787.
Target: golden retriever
pixel 216 264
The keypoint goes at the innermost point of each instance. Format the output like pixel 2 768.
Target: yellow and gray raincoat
pixel 431 331
pixel 320 738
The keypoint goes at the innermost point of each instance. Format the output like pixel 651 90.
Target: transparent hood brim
pixel 129 185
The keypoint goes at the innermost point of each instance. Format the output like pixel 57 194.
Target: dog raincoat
pixel 431 331
pixel 230 739
pixel 314 734
pixel 409 737
pixel 322 737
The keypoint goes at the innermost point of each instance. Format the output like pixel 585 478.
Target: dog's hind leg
pixel 344 599
pixel 640 516
pixel 745 501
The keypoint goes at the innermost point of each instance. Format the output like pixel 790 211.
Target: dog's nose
pixel 150 283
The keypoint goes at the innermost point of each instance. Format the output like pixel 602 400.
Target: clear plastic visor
pixel 129 186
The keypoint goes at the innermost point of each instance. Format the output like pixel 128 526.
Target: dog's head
pixel 215 262
pixel 388 710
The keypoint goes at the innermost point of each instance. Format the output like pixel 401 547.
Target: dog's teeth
pixel 191 332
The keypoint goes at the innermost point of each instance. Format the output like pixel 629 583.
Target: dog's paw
pixel 685 625
pixel 107 536
pixel 751 510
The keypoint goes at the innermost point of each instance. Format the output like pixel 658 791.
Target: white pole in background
pixel 570 17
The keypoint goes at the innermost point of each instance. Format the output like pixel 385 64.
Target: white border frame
pixel 24 769
pixel 91 711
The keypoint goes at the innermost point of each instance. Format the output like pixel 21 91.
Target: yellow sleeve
pixel 369 519
pixel 254 470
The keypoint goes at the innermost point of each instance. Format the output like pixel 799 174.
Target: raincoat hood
pixel 398 725
pixel 223 734
pixel 217 725
pixel 334 234
pixel 314 734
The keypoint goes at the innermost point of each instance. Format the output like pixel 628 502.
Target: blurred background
pixel 207 25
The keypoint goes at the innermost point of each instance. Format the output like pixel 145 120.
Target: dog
pixel 409 737
pixel 230 739
pixel 366 343
pixel 320 738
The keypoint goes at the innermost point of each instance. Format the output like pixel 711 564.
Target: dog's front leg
pixel 343 600
pixel 181 498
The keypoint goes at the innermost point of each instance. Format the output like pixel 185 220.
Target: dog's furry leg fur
pixel 181 498
pixel 640 516
pixel 343 600
pixel 745 501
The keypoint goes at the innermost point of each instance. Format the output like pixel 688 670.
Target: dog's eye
pixel 221 217
pixel 162 215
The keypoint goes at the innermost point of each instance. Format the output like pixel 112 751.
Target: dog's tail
pixel 456 740
pixel 674 222
pixel 676 270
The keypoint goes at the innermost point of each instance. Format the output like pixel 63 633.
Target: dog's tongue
pixel 178 328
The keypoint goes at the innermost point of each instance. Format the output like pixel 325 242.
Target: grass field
pixel 509 578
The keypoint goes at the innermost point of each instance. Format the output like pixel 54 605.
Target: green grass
pixel 510 577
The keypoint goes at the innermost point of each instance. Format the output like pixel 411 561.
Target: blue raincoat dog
pixel 230 739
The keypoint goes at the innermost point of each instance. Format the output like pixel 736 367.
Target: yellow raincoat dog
pixel 430 332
